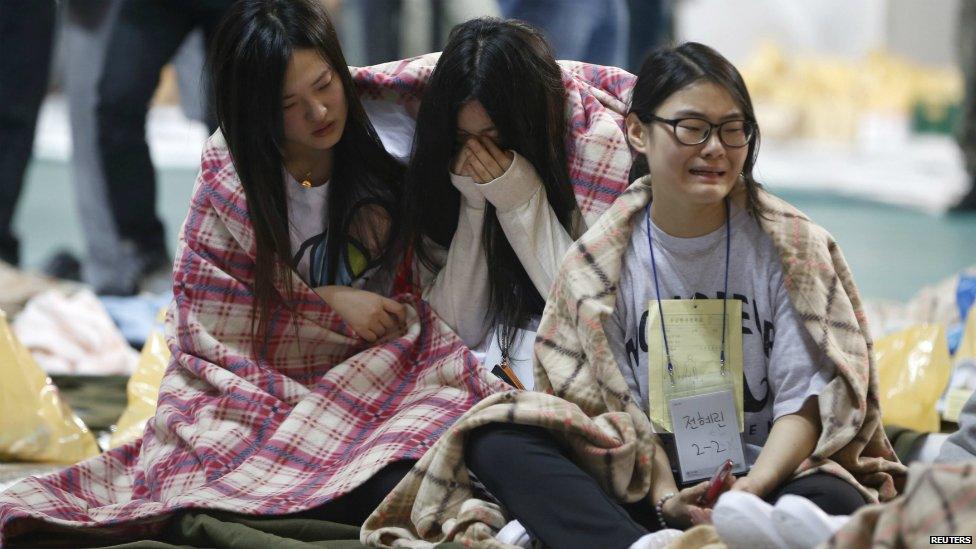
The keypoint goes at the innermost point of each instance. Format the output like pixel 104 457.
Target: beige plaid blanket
pixel 584 400
pixel 939 500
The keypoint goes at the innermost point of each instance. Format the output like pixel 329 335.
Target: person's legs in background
pixel 26 37
pixel 381 27
pixel 87 24
pixel 610 37
pixel 650 23
pixel 966 131
pixel 207 16
pixel 144 37
pixel 567 25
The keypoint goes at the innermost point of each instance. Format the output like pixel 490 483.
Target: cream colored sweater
pixel 459 292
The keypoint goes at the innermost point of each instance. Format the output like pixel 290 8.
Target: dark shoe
pixel 153 261
pixel 63 265
pixel 117 289
pixel 10 251
pixel 156 272
pixel 968 203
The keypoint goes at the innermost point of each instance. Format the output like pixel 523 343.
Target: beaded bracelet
pixel 659 508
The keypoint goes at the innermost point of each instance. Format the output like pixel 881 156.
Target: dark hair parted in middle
pixel 248 61
pixel 508 67
pixel 669 69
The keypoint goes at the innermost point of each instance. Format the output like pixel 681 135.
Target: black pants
pixel 26 35
pixel 145 37
pixel 564 507
pixel 833 495
pixel 557 502
pixel 356 506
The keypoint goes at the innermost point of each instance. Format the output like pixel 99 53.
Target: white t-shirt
pixel 308 229
pixel 782 365
pixel 308 211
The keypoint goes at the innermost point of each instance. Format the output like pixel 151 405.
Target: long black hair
pixel 508 67
pixel 248 59
pixel 669 69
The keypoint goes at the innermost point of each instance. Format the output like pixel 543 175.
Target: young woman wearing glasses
pixel 702 236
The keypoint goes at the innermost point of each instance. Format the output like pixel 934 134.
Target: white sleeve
pixel 798 368
pixel 529 222
pixel 459 292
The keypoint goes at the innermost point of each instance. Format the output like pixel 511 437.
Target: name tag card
pixel 706 433
pixel 694 329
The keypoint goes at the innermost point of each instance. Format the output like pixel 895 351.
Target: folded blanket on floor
pixel 323 412
pixel 586 404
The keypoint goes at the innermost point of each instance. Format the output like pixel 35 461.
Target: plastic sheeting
pixel 142 390
pixel 913 370
pixel 35 422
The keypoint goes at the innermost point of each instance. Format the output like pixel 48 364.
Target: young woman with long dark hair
pixel 321 189
pixel 301 379
pixel 488 181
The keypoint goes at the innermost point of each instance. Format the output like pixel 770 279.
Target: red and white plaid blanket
pixel 324 412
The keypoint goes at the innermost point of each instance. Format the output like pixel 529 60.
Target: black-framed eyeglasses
pixel 695 131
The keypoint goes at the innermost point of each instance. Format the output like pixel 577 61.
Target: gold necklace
pixel 307 181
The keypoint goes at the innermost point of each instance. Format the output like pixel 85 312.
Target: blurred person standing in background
pixel 651 25
pixel 966 131
pixel 26 37
pixel 593 31
pixel 144 38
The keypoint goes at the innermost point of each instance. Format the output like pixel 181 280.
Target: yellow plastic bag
pixel 35 423
pixel 142 390
pixel 913 370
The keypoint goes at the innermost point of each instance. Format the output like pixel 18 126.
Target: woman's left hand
pixel 485 161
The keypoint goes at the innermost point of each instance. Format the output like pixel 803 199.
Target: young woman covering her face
pixel 488 181
pixel 692 123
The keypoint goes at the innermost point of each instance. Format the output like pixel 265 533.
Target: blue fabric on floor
pixel 965 294
pixel 135 316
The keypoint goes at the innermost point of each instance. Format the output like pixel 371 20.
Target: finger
pixel 397 309
pixel 479 151
pixel 460 160
pixel 504 159
pixel 697 515
pixel 470 172
pixel 387 321
pixel 367 334
pixel 481 173
pixel 707 516
pixel 378 328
